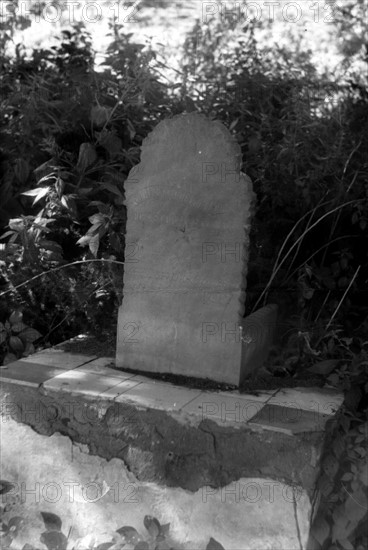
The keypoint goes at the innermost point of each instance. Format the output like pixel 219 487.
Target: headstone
pixel 187 241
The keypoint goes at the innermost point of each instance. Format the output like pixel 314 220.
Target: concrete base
pixel 226 352
pixel 93 496
pixel 104 449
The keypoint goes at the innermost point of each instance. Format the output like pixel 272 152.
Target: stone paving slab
pixel 80 382
pixel 102 365
pixel 289 411
pixel 289 420
pixel 59 359
pixel 325 401
pixel 120 389
pixel 227 408
pixel 160 396
pixel 29 373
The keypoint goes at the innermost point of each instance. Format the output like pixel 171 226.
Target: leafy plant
pixel 343 484
pixel 69 148
pixel 16 338
pixel 125 537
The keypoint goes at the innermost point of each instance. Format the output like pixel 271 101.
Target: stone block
pixel 187 245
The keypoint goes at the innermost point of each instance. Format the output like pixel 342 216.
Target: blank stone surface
pixel 188 221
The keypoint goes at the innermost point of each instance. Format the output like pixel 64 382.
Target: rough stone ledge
pixel 165 447
pixel 54 475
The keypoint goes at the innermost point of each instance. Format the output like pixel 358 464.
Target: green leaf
pixel 110 142
pixel 7 234
pixel 50 245
pixel 361 451
pixel 152 525
pixel 54 540
pixel 363 428
pixel 94 244
pixel 16 224
pixel 363 474
pixel 60 186
pixel 52 521
pixel 96 219
pixel 345 544
pixel 102 230
pixel 115 241
pixel 21 170
pixel 16 317
pixel 129 534
pixel 214 545
pixel 31 334
pixel 352 398
pixel 99 115
pixel 88 542
pixel 87 156
pixel 9 358
pixel 104 208
pixel 324 367
pixel 233 124
pixel 14 525
pixel 18 327
pixel 95 228
pixel 334 379
pixel 161 545
pixel 325 485
pixel 164 530
pixel 69 203
pixel 338 446
pixel 38 193
pixel 356 506
pixel 104 546
pixel 113 188
pixel 16 344
pixel 339 527
pixel 320 529
pixel 29 349
pixel 5 487
pixel 330 466
pixel 83 241
pixel 348 476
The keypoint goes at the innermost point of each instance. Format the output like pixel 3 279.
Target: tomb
pixel 189 210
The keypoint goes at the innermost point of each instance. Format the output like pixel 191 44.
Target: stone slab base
pixel 212 464
pixel 94 496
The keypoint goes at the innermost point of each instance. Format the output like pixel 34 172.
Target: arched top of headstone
pixel 192 135
pixel 188 138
